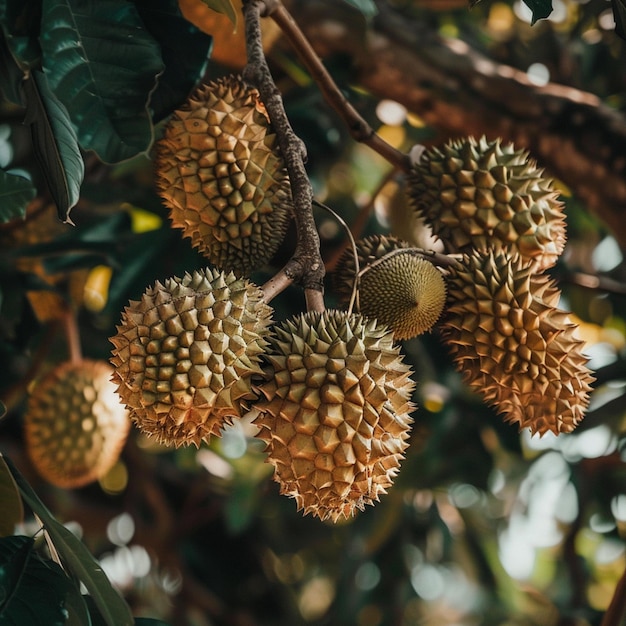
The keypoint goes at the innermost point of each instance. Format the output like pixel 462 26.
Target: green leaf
pixel 14 554
pixel 185 50
pixel 20 20
pixel 78 613
pixel 10 74
pixel 148 621
pixel 619 13
pixel 15 194
pixel 77 559
pixel 103 66
pixel 54 143
pixel 35 590
pixel 225 7
pixel 10 501
pixel 367 7
pixel 540 9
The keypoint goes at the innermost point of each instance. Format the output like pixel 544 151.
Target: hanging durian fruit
pixel 185 354
pixel 512 343
pixel 336 413
pixel 401 290
pixel 74 425
pixel 484 195
pixel 219 171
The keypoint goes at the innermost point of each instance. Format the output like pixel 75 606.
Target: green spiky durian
pixel 512 343
pixel 336 413
pixel 401 290
pixel 185 354
pixel 485 195
pixel 219 171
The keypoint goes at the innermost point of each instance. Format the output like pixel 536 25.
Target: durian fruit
pixel 336 412
pixel 74 425
pixel 185 354
pixel 401 290
pixel 514 345
pixel 480 194
pixel 219 171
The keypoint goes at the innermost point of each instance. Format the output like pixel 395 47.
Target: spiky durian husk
pixel 75 426
pixel 368 249
pixel 484 195
pixel 186 352
pixel 401 290
pixel 219 171
pixel 336 413
pixel 514 345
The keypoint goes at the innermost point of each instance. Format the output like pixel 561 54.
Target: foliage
pixel 484 525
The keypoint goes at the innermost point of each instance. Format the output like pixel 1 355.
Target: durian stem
pixel 306 265
pixel 436 258
pixel 359 129
pixel 72 336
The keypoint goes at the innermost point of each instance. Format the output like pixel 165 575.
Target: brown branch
pixel 359 129
pixel 616 613
pixel 306 265
pixel 460 92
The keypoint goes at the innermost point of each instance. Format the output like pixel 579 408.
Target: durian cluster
pixel 493 209
pixel 330 391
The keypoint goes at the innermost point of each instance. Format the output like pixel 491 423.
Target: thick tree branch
pixel 460 92
pixel 306 264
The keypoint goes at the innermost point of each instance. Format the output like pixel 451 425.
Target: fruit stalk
pixel 360 130
pixel 306 265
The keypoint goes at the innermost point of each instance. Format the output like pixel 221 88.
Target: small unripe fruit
pixel 399 288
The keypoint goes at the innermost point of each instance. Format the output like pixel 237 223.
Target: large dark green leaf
pixel 10 74
pixel 77 559
pixel 226 7
pixel 619 12
pixel 77 609
pixel 14 554
pixel 10 501
pixel 15 194
pixel 540 8
pixel 367 7
pixel 35 590
pixel 54 143
pixel 20 21
pixel 185 50
pixel 103 66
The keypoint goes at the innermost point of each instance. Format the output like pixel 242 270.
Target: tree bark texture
pixel 458 91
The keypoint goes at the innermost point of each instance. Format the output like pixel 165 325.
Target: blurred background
pixel 484 524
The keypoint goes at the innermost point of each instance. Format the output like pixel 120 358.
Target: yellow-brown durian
pixel 75 426
pixel 336 412
pixel 219 171
pixel 486 195
pixel 513 345
pixel 185 354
